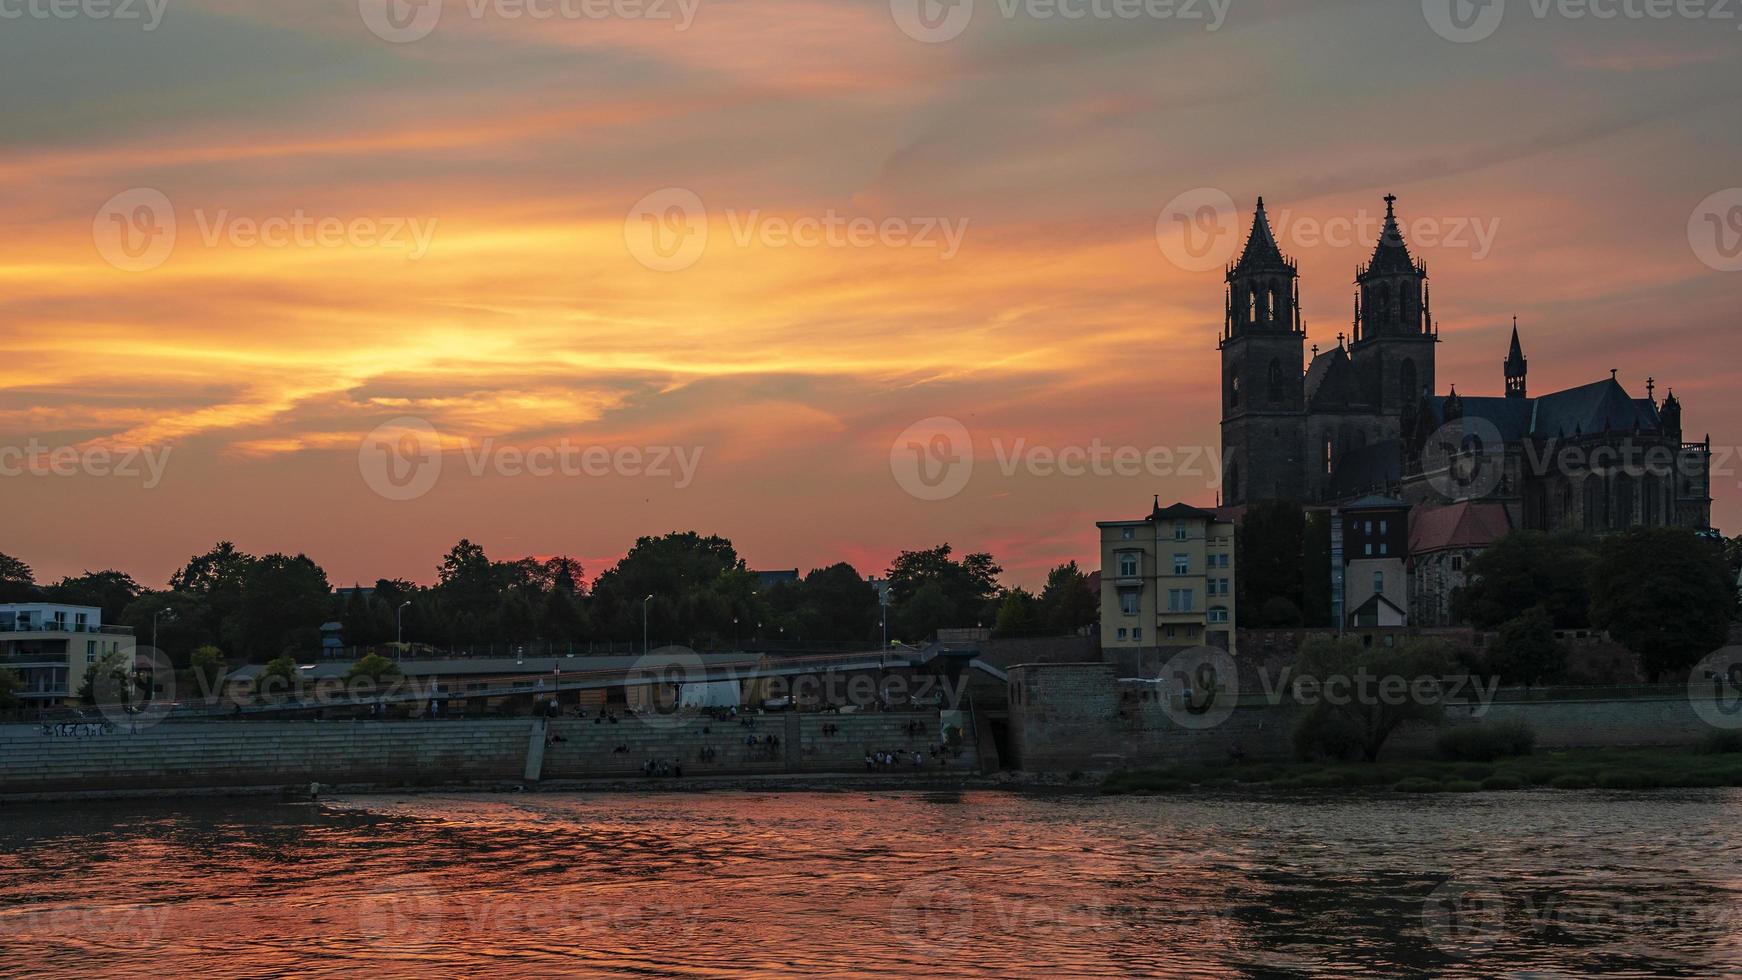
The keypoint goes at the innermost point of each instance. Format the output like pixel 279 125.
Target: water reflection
pixel 988 884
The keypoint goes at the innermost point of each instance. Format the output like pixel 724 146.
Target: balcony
pixel 18 626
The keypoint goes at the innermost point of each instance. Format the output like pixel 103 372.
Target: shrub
pixel 1326 734
pixel 1462 786
pixel 1487 742
pixel 1571 780
pixel 1722 743
pixel 1502 782
pixel 1325 780
pixel 1626 779
pixel 1417 784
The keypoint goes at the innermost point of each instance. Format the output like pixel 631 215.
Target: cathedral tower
pixel 1263 405
pixel 1393 352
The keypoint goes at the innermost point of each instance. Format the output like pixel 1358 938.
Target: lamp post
pixel 154 624
pixel 644 603
pixel 399 630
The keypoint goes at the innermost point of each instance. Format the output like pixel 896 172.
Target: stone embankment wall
pixel 228 755
pixel 1066 717
pixel 590 749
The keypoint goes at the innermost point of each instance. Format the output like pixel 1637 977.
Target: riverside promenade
pixel 237 757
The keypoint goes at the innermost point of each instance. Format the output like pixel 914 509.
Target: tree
pixel 924 612
pixel 1663 593
pixel 1365 719
pixel 110 591
pixel 1019 613
pixel 467 581
pixel 1526 652
pixel 836 603
pixel 10 685
pixel 969 587
pixel 208 669
pixel 1271 555
pixel 1526 569
pixel 1279 613
pixel 373 668
pixel 216 578
pixel 107 678
pixel 281 674
pixel 285 599
pixel 17 581
pixel 698 583
pixel 1067 603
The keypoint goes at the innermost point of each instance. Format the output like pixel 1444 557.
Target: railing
pixel 548 650
pixel 24 627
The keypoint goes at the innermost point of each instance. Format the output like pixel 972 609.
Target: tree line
pixel 1666 594
pixel 691 589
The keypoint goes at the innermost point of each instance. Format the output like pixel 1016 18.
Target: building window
pixel 1126 534
pixel 1329 458
pixel 1171 632
pixel 1180 600
pixel 1121 632
pixel 1128 602
pixel 1378 582
pixel 1182 564
pixel 1457 563
pixel 1137 633
pixel 1179 530
pixel 1128 564
pixel 1218 614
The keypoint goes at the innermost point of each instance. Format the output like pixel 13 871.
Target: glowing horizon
pixel 491 181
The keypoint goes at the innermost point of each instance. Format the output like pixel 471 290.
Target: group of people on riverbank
pixel 880 761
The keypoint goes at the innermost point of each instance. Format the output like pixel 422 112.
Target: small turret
pixel 1670 416
pixel 1516 366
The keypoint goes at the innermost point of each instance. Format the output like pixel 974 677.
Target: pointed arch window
pixel 1234 388
pixel 1278 384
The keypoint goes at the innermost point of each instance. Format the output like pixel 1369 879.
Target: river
pixel 858 883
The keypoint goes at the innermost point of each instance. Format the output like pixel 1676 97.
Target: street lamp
pixel 154 616
pixel 644 603
pixel 399 616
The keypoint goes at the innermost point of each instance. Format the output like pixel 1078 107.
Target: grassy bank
pixel 1581 769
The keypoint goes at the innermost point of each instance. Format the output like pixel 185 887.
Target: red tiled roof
pixel 1466 524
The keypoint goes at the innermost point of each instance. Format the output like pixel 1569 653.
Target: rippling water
pixel 894 884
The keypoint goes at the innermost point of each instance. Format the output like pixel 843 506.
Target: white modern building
pixel 50 646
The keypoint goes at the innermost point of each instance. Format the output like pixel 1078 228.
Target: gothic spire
pixel 1517 366
pixel 1391 253
pixel 1261 249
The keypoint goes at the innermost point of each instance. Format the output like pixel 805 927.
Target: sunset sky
pixel 532 315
